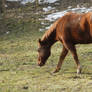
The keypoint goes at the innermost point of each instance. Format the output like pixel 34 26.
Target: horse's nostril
pixel 40 64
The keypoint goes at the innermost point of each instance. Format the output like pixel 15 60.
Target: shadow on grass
pixel 72 75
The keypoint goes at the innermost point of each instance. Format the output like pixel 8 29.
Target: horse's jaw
pixel 41 64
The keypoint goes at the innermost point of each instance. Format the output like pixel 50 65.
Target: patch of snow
pixel 7 32
pixel 42 23
pixel 12 0
pixel 40 1
pixel 41 30
pixel 26 1
pixel 6 6
pixel 48 9
pixel 79 10
pixel 50 1
pixel 47 27
pixel 54 16
pixel 69 7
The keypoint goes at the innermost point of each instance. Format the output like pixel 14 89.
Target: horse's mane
pixel 50 30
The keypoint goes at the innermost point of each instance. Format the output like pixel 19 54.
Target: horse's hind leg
pixel 72 48
pixel 61 59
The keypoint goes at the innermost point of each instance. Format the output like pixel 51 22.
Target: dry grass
pixel 19 71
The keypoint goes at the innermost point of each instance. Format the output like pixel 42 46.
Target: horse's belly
pixel 82 41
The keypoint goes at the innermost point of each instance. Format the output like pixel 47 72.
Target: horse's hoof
pixel 56 71
pixel 78 71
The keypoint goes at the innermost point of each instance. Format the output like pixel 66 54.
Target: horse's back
pixel 75 28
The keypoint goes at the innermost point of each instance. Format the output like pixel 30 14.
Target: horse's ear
pixel 39 40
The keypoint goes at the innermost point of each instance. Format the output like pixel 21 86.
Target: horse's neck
pixel 49 38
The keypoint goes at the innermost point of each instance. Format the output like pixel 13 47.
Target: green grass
pixel 19 71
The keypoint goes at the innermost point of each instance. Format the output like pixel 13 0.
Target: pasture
pixel 19 71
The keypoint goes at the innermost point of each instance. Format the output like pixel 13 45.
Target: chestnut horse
pixel 71 29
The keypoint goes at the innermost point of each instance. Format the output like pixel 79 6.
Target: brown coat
pixel 70 29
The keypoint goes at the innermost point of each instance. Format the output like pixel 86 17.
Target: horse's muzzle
pixel 41 64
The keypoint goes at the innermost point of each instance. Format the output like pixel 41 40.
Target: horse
pixel 71 29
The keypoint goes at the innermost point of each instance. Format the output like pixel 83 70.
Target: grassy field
pixel 19 71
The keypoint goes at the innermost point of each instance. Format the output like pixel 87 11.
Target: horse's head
pixel 43 53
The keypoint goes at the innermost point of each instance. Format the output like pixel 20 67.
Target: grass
pixel 19 71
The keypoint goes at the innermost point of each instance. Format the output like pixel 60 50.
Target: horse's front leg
pixel 61 59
